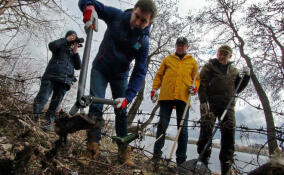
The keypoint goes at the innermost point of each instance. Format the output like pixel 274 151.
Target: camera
pixel 77 40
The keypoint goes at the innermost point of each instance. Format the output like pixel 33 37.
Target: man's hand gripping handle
pixel 90 18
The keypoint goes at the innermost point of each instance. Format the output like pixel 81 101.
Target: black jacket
pixel 62 63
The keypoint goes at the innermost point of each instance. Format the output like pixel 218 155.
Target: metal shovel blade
pixel 193 167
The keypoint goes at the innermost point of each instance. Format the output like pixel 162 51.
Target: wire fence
pixel 18 97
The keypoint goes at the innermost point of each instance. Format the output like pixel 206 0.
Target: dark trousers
pixel 166 107
pixel 227 134
pixel 46 88
pixel 118 87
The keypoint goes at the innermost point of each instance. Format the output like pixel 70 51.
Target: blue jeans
pixel 166 107
pixel 118 87
pixel 46 88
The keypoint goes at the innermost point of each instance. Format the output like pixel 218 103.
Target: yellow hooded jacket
pixel 175 76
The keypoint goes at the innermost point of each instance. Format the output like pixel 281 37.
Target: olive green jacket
pixel 218 85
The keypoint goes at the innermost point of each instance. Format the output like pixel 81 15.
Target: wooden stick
pixel 154 141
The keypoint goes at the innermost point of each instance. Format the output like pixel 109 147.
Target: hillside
pixel 27 149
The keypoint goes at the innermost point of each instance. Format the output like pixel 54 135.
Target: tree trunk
pixel 136 104
pixel 144 125
pixel 138 100
pixel 271 134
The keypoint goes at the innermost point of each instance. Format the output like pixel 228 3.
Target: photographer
pixel 58 76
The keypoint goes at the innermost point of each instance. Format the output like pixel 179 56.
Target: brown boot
pixel 124 157
pixel 93 147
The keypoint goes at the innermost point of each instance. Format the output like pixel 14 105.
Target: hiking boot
pixel 93 147
pixel 124 156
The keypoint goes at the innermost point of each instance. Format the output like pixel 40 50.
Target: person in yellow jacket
pixel 175 77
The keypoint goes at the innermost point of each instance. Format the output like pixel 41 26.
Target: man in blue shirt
pixel 126 38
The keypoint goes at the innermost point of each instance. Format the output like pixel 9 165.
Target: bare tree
pixel 23 22
pixel 5 5
pixel 266 26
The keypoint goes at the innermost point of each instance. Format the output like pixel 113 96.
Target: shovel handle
pixel 89 27
pixel 103 101
pixel 85 101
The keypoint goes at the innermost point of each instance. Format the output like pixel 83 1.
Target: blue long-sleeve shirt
pixel 120 46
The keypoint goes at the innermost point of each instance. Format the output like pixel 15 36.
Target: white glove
pixel 192 90
pixel 154 95
pixel 121 103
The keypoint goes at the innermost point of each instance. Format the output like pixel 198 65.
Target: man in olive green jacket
pixel 218 82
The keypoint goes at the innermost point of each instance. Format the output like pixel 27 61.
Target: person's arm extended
pixel 105 13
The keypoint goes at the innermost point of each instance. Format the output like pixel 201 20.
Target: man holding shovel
pixel 175 77
pixel 126 38
pixel 219 80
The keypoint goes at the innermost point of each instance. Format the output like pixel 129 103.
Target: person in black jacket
pixel 58 76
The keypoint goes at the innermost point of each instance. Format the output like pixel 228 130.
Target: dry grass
pixel 24 146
